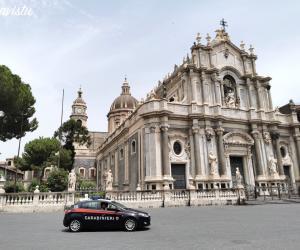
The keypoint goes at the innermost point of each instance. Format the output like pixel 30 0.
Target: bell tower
pixel 79 109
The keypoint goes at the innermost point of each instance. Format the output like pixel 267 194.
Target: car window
pixel 90 205
pixel 112 207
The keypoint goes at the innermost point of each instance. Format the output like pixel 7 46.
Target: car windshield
pixel 119 205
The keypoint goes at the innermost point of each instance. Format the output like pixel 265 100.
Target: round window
pixel 177 148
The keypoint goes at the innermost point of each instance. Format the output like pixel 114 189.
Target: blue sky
pixel 65 44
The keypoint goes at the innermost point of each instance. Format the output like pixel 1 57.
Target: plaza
pixel 257 226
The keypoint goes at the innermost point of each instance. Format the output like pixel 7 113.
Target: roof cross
pixel 223 23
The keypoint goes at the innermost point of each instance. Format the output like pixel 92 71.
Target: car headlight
pixel 143 215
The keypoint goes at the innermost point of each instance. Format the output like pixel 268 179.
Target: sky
pixel 66 44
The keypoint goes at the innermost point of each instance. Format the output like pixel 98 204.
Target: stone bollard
pixel 70 198
pixel 36 195
pixel 2 197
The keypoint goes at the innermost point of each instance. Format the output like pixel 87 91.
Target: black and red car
pixel 104 214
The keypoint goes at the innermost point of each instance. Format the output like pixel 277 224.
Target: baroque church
pixel 209 119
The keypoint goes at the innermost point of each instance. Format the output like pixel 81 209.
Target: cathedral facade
pixel 209 120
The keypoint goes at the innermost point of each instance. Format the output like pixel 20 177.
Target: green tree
pixel 17 103
pixel 64 157
pixel 72 132
pixel 37 154
pixel 58 180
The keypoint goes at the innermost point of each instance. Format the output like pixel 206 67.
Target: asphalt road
pixel 269 226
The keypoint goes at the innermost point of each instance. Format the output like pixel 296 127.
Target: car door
pixel 90 213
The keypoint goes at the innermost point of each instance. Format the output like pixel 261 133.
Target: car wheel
pixel 130 224
pixel 75 226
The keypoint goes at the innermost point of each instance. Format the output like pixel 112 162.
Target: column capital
pixel 219 131
pixel 195 129
pixel 255 134
pixel 164 127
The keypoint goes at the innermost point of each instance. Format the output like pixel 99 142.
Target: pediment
pixel 238 138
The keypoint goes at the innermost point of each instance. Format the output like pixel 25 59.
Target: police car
pixel 104 214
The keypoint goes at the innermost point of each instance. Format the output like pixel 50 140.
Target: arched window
pixel 230 96
pixel 283 151
pixel 133 147
pixel 92 173
pixel 82 172
pixel 79 122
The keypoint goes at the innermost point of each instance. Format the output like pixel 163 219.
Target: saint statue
pixel 230 98
pixel 108 180
pixel 72 180
pixel 238 178
pixel 212 159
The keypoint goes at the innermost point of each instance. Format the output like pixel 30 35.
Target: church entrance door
pixel 178 173
pixel 287 173
pixel 237 162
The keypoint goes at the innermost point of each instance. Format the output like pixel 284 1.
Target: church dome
pixel 125 100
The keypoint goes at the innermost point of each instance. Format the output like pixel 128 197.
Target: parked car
pixel 104 214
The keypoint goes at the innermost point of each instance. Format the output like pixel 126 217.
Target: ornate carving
pixel 187 149
pixel 267 137
pixel 273 166
pixel 219 131
pixel 238 138
pixel 195 130
pixel 209 133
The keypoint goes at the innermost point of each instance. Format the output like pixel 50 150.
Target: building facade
pixel 209 119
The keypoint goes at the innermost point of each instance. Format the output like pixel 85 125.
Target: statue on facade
pixel 212 159
pixel 230 98
pixel 273 166
pixel 238 178
pixel 108 178
pixel 72 180
pixel 267 137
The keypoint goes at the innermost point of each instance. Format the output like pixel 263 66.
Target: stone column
pixel 197 150
pixel 270 100
pixel 221 153
pixel 204 89
pixel 259 99
pixel 165 150
pixel 275 137
pixel 116 177
pixel 297 138
pixel 259 167
pixel 194 80
pixel 250 93
pixel 126 172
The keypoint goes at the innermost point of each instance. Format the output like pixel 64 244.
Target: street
pixel 267 226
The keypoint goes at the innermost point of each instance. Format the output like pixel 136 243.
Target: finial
pixel 251 49
pixel 198 38
pixel 242 45
pixel 187 58
pixel 208 38
pixel 79 92
pixel 223 23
